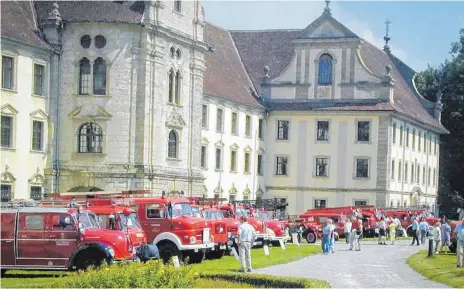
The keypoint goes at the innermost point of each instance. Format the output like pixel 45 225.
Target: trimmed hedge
pixel 267 281
pixel 153 274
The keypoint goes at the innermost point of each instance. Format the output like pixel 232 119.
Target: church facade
pixel 147 95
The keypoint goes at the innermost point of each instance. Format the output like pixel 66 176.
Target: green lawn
pixel 36 279
pixel 440 268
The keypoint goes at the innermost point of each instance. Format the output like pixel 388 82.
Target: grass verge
pixel 440 268
pixel 225 265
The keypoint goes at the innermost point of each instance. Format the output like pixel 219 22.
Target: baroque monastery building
pixel 125 95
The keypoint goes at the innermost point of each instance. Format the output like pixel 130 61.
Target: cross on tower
pixel 387 38
pixel 327 8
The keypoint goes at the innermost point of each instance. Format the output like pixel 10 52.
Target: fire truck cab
pixel 58 239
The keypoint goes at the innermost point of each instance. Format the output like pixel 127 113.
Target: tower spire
pixel 327 8
pixel 386 48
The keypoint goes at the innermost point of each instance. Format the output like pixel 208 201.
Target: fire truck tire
pixel 311 237
pixel 196 258
pixel 3 272
pixel 89 258
pixel 168 250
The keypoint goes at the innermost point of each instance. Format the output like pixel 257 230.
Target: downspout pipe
pixel 56 161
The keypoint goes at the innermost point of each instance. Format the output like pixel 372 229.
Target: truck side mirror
pixel 67 221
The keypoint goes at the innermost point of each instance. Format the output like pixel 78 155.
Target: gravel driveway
pixel 375 266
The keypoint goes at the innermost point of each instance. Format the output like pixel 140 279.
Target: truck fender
pixel 99 246
pixel 170 237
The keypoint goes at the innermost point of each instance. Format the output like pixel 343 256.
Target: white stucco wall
pixel 21 166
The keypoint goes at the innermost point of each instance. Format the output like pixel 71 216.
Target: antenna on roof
pixel 327 8
pixel 386 48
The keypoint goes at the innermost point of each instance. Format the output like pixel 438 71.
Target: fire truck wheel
pixel 3 272
pixel 167 251
pixel 89 258
pixel 311 237
pixel 196 258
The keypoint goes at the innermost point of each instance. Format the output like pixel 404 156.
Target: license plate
pixel 196 250
pixel 222 247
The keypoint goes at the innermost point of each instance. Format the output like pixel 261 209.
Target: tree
pixel 449 79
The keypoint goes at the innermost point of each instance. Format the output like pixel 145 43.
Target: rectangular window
pixel 394 133
pixel 418 174
pixel 362 168
pixel 247 125
pixel 435 146
pixel 5 193
pixel 247 163
pixel 423 176
pixel 34 222
pixel 37 135
pixel 363 131
pixel 406 172
pixel 282 129
pixel 429 176
pixel 413 139
pixel 219 117
pixel 7 72
pixel 322 130
pixel 407 137
pixel 156 211
pixel 401 135
pixel 430 145
pixel 218 159
pixel 319 204
pixel 419 141
pixel 36 193
pixel 203 157
pixel 434 178
pixel 233 161
pixel 260 165
pixel 399 171
pixel 362 203
pixel 7 131
pixel 412 173
pixel 38 79
pixel 281 169
pixel 231 198
pixel 393 170
pixel 322 167
pixel 204 116
pixel 234 123
pixel 425 143
pixel 260 129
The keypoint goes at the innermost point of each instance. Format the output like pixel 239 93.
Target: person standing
pixel 424 229
pixel 459 230
pixel 246 237
pixel 382 231
pixel 359 235
pixel 325 237
pixel 347 229
pixel 415 229
pixel 332 237
pixel 392 228
pixel 445 236
pixel 436 230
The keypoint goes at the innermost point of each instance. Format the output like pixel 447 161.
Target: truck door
pixel 61 238
pixel 30 240
pixel 154 219
pixel 8 238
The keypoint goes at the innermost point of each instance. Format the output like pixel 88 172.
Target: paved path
pixel 375 266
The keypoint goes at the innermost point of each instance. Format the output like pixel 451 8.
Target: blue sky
pixel 421 31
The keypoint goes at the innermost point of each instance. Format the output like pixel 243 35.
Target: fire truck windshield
pixel 88 220
pixel 213 215
pixel 181 209
pixel 240 212
pixel 196 212
pixel 263 216
pixel 131 221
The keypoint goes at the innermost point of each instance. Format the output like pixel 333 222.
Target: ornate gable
pixel 100 113
pixel 326 27
pixel 233 190
pixel 7 177
pixel 39 114
pixel 219 144
pixel 175 120
pixel 8 109
pixel 247 191
pixel 259 191
pixel 234 146
pixel 248 149
pixel 37 178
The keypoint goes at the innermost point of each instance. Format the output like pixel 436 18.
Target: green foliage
pixel 449 79
pixel 216 283
pixel 153 274
pixel 267 281
pixel 440 268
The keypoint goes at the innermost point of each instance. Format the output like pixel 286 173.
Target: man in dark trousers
pixel 415 229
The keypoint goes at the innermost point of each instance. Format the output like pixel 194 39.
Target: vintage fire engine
pixel 58 239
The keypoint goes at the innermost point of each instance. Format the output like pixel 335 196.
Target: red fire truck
pixel 58 239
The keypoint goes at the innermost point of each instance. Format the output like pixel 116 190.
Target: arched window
pixel 177 5
pixel 90 138
pixel 325 70
pixel 172 145
pixel 99 77
pixel 171 86
pixel 178 83
pixel 84 76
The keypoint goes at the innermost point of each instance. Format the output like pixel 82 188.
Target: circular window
pixel 178 53
pixel 85 41
pixel 100 41
pixel 173 52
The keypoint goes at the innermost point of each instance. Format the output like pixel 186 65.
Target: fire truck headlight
pixel 111 251
pixel 229 234
pixel 193 240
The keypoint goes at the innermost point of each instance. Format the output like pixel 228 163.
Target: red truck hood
pixel 193 222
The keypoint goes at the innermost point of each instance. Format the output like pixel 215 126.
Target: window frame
pixel 327 65
pixel 175 142
pixel 248 125
pixel 407 137
pixel 276 165
pixel 205 117
pixel 259 165
pixel 218 166
pixel 100 142
pixel 30 192
pixel 278 130
pixel 401 135
pixel 103 90
pixel 328 130
pixel 42 136
pixel 34 79
pixel 234 123
pixel 369 133
pixel 162 206
pixel 88 80
pixel 355 175
pixel 10 186
pixel 221 119
pixel 246 163
pixel 14 69
pixel 319 206
pixel 394 133
pixel 12 131
pixel 177 6
pixel 204 156
pixel 393 170
pixel 233 160
pixel 261 128
pixel 327 167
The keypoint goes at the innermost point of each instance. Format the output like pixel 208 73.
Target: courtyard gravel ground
pixel 375 266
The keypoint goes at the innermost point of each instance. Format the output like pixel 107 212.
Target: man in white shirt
pixel 347 231
pixel 246 237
